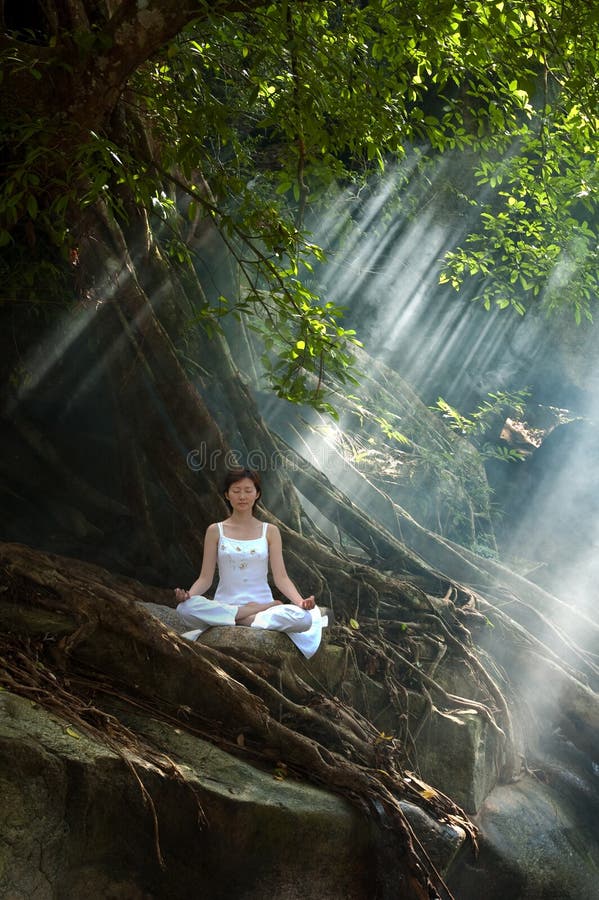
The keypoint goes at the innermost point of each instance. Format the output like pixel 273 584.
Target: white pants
pixel 303 626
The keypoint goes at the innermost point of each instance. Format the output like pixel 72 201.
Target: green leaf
pixel 32 207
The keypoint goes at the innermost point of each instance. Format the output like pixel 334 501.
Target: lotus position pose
pixel 243 547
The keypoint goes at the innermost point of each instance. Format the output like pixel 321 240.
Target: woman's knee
pixel 306 619
pixel 301 618
pixel 283 618
pixel 190 610
pixel 182 607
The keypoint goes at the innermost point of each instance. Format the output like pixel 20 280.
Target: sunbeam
pixel 385 252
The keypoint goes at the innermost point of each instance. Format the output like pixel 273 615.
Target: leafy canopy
pixel 248 114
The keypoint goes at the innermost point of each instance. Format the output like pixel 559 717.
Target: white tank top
pixel 243 570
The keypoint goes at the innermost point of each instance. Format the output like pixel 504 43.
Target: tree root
pixel 141 662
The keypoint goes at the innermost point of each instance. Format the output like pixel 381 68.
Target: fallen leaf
pixel 428 793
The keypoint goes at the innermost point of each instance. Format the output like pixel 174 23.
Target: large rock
pixel 457 751
pixel 538 835
pixel 74 823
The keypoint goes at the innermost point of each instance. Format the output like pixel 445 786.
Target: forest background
pixel 168 170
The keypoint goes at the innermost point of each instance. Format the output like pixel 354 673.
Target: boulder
pixel 78 819
pixel 538 835
pixel 457 751
pixel 75 824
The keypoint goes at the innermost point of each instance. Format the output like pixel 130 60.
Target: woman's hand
pixel 307 603
pixel 181 595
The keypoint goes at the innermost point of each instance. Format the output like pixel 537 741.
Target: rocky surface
pixel 77 825
pixel 539 835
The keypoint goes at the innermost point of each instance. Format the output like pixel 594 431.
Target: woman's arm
pixel 279 572
pixel 206 576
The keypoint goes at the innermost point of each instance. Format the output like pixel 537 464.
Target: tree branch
pixel 90 86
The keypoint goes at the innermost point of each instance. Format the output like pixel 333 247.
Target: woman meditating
pixel 243 547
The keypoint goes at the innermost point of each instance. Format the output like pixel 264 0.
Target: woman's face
pixel 242 494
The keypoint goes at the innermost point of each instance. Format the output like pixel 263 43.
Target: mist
pixel 385 250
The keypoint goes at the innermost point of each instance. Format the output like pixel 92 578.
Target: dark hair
pixel 238 474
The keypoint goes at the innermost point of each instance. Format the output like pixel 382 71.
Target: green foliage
pixel 298 348
pixel 538 234
pixel 482 549
pixel 438 478
pixel 486 414
pixel 503 454
pixel 255 115
pixel 459 504
pixel 480 420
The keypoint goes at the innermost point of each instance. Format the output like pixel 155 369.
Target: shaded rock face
pixel 75 825
pixel 538 836
pixel 456 752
